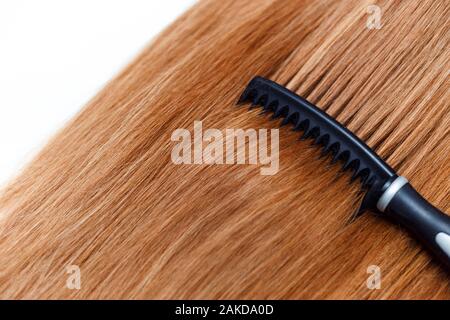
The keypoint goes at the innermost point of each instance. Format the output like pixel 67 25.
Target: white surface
pixel 55 55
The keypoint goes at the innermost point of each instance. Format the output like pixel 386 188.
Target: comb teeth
pixel 310 130
pixel 335 139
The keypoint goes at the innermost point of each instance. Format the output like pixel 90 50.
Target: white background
pixel 55 55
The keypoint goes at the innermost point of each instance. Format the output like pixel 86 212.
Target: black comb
pixel 385 190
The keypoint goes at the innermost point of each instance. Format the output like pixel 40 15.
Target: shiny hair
pixel 105 196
